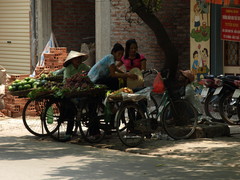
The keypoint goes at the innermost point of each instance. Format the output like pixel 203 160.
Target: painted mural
pixel 200 38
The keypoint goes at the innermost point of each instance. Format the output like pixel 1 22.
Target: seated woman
pixel 134 63
pixel 106 72
pixel 132 59
pixel 73 65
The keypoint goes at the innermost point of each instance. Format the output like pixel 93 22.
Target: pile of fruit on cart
pixel 77 85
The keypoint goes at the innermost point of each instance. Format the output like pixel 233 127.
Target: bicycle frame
pixel 163 102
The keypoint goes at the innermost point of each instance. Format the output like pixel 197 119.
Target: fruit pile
pixel 125 90
pixel 26 83
pixel 79 81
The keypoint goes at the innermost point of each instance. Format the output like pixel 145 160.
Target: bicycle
pixel 56 125
pixel 85 118
pixel 176 116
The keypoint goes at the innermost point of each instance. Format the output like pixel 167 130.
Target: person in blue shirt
pixel 106 72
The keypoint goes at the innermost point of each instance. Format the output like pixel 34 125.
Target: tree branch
pixel 162 37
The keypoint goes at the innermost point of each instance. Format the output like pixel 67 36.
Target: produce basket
pixel 85 92
pixel 21 93
pixel 35 93
pixel 126 97
pixel 115 97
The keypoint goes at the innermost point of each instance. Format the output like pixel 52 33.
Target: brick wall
pixel 73 22
pixel 174 15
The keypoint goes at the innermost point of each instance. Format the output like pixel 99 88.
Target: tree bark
pixel 163 40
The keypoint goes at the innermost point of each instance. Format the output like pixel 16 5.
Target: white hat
pixel 135 83
pixel 74 54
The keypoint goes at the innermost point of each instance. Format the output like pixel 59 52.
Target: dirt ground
pixel 220 151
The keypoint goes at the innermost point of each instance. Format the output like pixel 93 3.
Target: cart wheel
pixel 55 126
pixel 32 116
pixel 127 117
pixel 91 127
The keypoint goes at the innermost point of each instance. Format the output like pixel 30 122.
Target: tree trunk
pixel 163 40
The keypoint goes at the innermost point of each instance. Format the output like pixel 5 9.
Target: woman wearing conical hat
pixel 74 64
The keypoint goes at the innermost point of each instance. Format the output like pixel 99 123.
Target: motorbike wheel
pixel 228 107
pixel 211 107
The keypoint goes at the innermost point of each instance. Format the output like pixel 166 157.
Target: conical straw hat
pixel 74 54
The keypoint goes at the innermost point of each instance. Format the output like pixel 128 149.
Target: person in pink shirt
pixel 132 59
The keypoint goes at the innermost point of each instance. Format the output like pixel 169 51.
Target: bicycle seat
pixel 209 76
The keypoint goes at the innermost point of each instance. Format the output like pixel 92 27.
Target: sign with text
pixel 230 24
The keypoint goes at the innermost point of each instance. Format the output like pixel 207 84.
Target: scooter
pixel 228 104
pixel 211 101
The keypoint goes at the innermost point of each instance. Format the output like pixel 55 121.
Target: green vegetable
pixel 27 78
pixel 11 88
pixel 27 86
pixel 36 84
pixel 20 87
pixel 31 81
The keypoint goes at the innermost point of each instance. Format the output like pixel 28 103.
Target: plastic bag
pixel 158 85
pixel 192 97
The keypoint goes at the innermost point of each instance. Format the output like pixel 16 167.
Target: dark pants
pixel 68 114
pixel 93 118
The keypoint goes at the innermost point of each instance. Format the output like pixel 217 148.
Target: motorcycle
pixel 228 104
pixel 210 100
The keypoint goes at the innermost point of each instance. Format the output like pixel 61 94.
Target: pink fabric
pixel 135 62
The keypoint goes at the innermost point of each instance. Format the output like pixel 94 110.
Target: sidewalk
pixel 203 158
pixel 220 151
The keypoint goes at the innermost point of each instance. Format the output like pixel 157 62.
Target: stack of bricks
pixel 55 59
pixel 39 70
pixel 13 104
pixel 13 77
pixel 52 61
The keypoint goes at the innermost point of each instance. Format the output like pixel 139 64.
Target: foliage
pixel 153 5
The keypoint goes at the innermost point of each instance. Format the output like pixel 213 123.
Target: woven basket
pixel 115 97
pixel 36 94
pixel 22 93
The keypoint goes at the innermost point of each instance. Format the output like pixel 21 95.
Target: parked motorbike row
pixel 221 98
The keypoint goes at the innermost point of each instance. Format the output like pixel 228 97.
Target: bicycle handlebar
pixel 150 71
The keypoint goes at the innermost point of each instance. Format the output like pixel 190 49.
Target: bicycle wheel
pixel 211 107
pixel 91 125
pixel 228 109
pixel 128 118
pixel 179 119
pixel 54 124
pixel 238 110
pixel 32 116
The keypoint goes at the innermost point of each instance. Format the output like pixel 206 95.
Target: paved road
pixel 23 157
